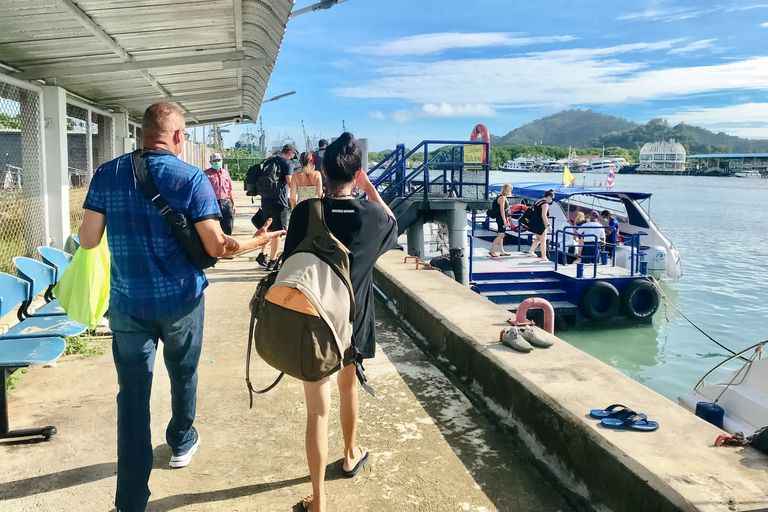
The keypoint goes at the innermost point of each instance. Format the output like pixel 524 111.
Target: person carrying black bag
pixel 159 245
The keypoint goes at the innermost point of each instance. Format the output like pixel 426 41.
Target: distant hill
pixel 567 128
pixel 696 140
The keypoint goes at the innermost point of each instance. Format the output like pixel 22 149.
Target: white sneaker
pixel 179 461
pixel 534 339
pixel 514 340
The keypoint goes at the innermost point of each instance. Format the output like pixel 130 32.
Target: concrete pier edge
pixel 600 464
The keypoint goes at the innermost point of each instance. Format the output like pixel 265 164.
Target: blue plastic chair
pixel 55 258
pixel 22 352
pixel 72 244
pixel 41 278
pixel 16 291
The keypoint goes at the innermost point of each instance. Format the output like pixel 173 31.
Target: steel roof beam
pixel 141 102
pixel 133 65
pixel 118 50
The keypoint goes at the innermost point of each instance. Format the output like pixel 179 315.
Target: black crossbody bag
pixel 181 227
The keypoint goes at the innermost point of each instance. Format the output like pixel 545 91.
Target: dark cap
pixel 291 147
pixel 594 213
pixel 322 143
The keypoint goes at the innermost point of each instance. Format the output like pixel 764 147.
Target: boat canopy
pixel 537 190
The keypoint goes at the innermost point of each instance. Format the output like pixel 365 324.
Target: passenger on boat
pixel 588 253
pixel 612 232
pixel 576 241
pixel 539 223
pixel 307 183
pixel 500 211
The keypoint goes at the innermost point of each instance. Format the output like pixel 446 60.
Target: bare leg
pixel 318 398
pixel 495 243
pixel 543 244
pixel 533 246
pixel 274 248
pixel 348 409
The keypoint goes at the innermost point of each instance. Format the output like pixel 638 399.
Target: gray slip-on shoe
pixel 534 339
pixel 514 340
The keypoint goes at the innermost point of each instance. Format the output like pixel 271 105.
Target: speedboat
pixel 742 393
pixel 601 166
pixel 519 165
pixel 748 174
pixel 627 207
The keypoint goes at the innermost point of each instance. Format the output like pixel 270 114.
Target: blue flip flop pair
pixel 622 417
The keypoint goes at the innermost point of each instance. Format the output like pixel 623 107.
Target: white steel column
pixel 56 161
pixel 121 135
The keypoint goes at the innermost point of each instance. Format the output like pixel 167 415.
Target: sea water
pixel 720 227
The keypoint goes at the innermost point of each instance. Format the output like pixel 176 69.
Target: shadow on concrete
pixel 333 472
pixel 55 481
pixel 494 456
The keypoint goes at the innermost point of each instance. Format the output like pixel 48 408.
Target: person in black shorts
pixel 368 229
pixel 500 209
pixel 539 224
pixel 279 209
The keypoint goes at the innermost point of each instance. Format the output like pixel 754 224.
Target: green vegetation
pixel 567 128
pixel 14 378
pixel 694 139
pixel 238 160
pixel 10 122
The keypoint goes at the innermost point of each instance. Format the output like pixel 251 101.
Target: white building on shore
pixel 662 157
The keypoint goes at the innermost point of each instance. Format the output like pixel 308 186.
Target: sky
pixel 398 71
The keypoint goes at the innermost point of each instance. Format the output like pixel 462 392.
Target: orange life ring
pixel 480 133
pixel 519 207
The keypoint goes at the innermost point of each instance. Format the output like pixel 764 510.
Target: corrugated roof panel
pixel 43 33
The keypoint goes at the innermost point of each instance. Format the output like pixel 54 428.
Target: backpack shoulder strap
pixel 251 391
pixel 147 182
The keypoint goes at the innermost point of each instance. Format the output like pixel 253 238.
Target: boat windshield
pixel 586 203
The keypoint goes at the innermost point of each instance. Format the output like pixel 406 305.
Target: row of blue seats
pixel 38 337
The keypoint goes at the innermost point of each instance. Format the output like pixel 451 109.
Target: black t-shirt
pixel 319 157
pixel 366 229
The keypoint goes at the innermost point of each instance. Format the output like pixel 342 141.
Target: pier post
pixel 457 234
pixel 415 235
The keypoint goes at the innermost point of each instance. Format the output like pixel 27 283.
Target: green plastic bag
pixel 83 290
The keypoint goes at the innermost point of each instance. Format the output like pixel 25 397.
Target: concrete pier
pixel 415 235
pixel 431 450
pixel 457 237
pixel 547 396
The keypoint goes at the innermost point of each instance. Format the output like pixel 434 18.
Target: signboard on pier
pixel 473 154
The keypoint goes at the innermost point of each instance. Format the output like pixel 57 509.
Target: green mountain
pixel 567 128
pixel 696 140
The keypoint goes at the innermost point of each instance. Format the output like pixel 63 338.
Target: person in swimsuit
pixel 307 183
pixel 500 208
pixel 539 224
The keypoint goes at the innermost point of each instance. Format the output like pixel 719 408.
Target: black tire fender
pixel 599 302
pixel 443 264
pixel 640 300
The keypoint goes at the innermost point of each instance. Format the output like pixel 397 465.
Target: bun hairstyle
pixel 305 159
pixel 343 159
pixel 549 193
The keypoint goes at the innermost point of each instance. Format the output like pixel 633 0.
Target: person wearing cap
pixel 279 209
pixel 221 182
pixel 588 253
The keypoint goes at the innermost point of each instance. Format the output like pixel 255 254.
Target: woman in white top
pixel 307 183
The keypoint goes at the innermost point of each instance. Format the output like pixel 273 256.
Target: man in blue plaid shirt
pixel 156 293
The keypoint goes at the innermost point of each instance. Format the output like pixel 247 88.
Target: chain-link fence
pixel 22 214
pixel 79 158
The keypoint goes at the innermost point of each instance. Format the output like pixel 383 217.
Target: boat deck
pixel 521 262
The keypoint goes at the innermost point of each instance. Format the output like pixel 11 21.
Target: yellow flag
pixel 568 178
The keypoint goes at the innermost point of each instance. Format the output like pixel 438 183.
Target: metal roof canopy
pixel 732 155
pixel 213 58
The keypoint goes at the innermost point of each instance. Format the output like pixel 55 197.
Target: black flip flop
pixel 356 469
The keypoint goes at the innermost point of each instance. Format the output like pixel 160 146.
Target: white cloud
pixel 377 115
pixel 434 43
pixel 745 120
pixel 558 78
pixel 764 25
pixel 658 11
pixel 693 47
pixel 436 110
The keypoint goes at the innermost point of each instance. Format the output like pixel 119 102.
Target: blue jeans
pixel 134 346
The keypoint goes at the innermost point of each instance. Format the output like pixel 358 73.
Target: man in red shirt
pixel 222 187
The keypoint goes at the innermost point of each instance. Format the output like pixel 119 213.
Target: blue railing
pixel 395 181
pixel 571 231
